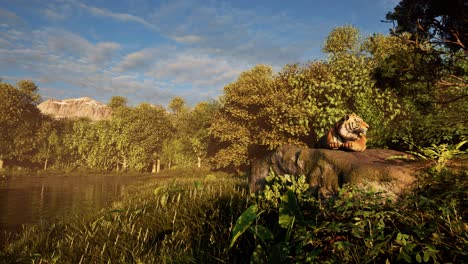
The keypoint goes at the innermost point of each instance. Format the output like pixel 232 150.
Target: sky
pixel 151 51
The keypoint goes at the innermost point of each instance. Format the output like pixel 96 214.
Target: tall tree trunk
pixel 124 165
pixel 156 164
pixel 155 169
pixel 169 165
pixel 199 162
pixel 45 164
pixel 1 164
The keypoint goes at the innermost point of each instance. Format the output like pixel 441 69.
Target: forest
pixel 410 86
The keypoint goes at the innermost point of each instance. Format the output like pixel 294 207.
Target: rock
pixel 328 170
pixel 83 107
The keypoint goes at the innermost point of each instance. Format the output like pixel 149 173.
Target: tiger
pixel 349 133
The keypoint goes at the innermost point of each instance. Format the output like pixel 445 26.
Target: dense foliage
pixel 410 87
pixel 441 22
pixel 19 120
pixel 289 225
pixel 409 97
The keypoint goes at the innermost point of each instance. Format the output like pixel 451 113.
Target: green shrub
pixel 359 226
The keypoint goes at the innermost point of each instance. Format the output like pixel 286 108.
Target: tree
pixel 198 124
pixel 437 34
pixel 117 102
pixel 439 22
pixel 59 147
pixel 19 120
pixel 342 40
pixel 148 130
pixel 177 105
pixel 351 88
pixel 430 72
pixel 120 122
pixel 240 123
pixel 48 141
pixel 343 83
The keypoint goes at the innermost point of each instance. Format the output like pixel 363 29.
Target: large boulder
pixel 327 170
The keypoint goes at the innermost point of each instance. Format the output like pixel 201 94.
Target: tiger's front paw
pixel 348 145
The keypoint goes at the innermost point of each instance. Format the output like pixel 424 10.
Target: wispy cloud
pixel 11 19
pixel 197 68
pixel 54 15
pixel 137 61
pixel 124 17
pixel 194 48
pixel 65 43
pixel 218 28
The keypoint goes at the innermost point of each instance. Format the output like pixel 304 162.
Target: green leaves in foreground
pixel 243 223
pixel 289 210
pixel 357 225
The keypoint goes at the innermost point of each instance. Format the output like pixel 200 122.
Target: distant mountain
pixel 76 108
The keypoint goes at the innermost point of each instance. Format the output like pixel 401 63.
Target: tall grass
pixel 211 218
pixel 175 220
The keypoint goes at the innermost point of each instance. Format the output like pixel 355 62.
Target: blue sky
pixel 150 51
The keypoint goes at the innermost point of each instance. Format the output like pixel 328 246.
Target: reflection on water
pixel 35 199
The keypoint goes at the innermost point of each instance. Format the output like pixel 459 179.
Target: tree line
pixel 135 138
pixel 410 86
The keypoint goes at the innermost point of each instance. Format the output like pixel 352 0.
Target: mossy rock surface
pixel 328 170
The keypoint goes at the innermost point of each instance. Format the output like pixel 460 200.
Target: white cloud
pixel 64 43
pixel 218 28
pixel 54 15
pixel 124 17
pixel 210 44
pixel 10 18
pixel 59 57
pixel 197 68
pixel 138 60
pixel 188 39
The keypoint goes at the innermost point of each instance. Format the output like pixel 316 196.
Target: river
pixel 36 199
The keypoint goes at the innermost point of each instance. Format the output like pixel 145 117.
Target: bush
pixel 359 226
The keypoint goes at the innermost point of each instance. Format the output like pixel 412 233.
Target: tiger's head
pixel 351 127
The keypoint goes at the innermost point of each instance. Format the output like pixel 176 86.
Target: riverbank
pixel 188 219
pixel 174 219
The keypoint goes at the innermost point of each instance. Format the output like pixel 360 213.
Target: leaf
pixel 289 210
pixel 197 185
pixel 263 233
pixel 259 255
pixel 403 255
pixel 159 190
pixel 163 200
pixel 243 223
pixel 459 145
pixel 426 256
pixel 418 258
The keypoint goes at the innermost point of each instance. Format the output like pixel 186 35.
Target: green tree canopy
pixel 241 121
pixel 440 22
pixel 117 102
pixel 20 119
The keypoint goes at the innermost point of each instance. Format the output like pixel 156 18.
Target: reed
pixel 171 220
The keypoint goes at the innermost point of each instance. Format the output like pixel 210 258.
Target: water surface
pixel 36 199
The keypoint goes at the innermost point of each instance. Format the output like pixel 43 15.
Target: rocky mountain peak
pixel 83 107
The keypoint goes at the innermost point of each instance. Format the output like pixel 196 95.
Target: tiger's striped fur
pixel 348 133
